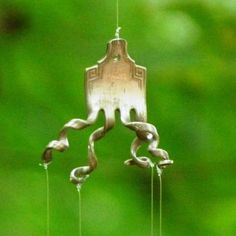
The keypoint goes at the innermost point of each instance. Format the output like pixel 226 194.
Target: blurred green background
pixel 189 48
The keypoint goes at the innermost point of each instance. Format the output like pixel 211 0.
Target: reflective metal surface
pixel 115 83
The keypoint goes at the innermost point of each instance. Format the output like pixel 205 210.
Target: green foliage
pixel 189 48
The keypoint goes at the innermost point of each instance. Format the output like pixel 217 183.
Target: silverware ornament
pixel 114 83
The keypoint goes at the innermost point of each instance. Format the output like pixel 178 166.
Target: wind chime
pixel 115 83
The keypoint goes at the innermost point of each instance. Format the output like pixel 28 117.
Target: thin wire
pixel 118 28
pixel 117 14
pixel 79 214
pixel 47 202
pixel 152 200
pixel 160 220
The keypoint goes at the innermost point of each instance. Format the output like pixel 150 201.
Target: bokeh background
pixel 189 48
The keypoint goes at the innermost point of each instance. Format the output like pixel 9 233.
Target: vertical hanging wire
pixel 152 200
pixel 159 172
pixel 47 201
pixel 117 14
pixel 79 213
pixel 160 223
pixel 118 28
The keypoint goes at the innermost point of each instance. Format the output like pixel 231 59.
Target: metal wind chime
pixel 114 83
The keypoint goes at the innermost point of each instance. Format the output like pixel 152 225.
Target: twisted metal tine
pixel 145 132
pixel 80 174
pixel 143 162
pixel 62 143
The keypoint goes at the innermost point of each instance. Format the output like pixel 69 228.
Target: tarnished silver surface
pixel 115 83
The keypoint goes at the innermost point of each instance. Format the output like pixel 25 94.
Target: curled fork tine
pixel 143 162
pixel 80 174
pixel 145 133
pixel 62 143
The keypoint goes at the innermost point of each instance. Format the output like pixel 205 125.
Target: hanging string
pixel 159 173
pixel 117 13
pixel 160 180
pixel 45 166
pixel 152 200
pixel 79 212
pixel 118 28
pixel 48 202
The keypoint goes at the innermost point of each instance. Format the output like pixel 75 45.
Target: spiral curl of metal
pixel 62 143
pixel 145 132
